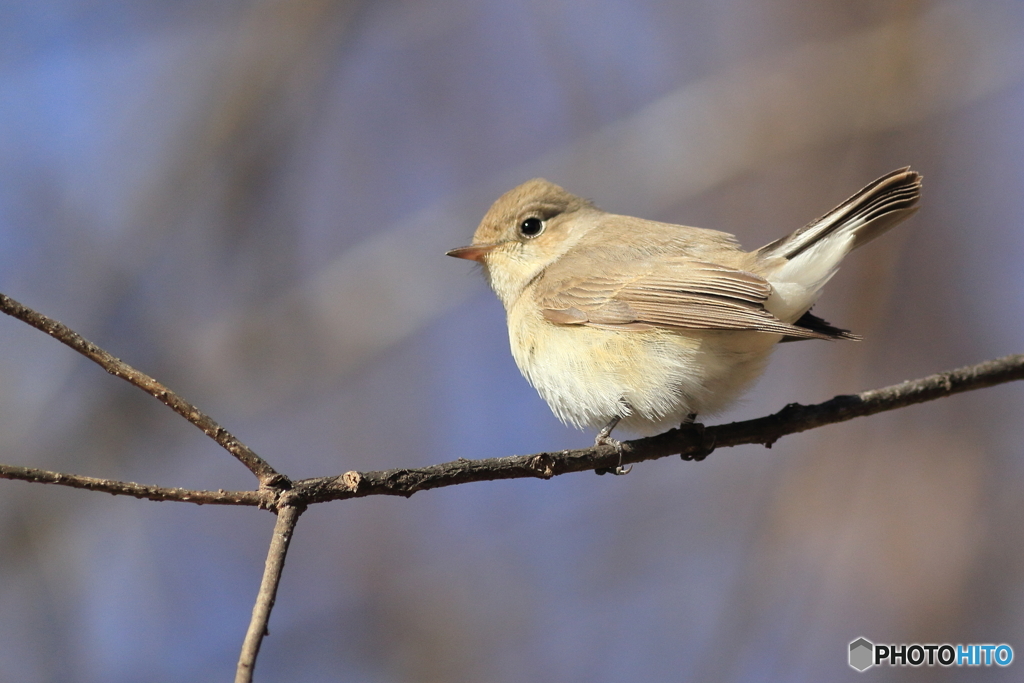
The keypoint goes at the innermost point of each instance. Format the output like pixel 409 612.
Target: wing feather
pixel 662 291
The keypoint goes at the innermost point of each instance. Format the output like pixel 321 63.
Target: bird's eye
pixel 531 227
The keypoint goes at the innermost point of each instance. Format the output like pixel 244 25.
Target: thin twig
pixel 130 488
pixel 692 441
pixel 290 500
pixel 267 475
pixel 287 516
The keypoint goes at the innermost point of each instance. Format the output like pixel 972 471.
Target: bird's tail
pixel 800 264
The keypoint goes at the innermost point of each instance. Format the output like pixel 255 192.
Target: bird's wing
pixel 663 291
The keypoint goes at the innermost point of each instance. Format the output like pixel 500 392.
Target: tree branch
pixel 288 500
pixel 287 517
pixel 693 442
pixel 267 475
pixel 129 488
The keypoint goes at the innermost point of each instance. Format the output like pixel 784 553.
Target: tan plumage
pixel 613 317
pixel 648 292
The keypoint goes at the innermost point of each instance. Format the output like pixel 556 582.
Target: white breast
pixel 652 378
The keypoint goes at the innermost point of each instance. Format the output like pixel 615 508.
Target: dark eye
pixel 531 227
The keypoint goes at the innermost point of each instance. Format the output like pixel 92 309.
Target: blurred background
pixel 251 201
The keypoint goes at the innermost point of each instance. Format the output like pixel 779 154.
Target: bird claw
pixel 604 439
pixel 618 470
pixel 707 442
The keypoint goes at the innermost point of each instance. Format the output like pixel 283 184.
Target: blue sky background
pixel 251 201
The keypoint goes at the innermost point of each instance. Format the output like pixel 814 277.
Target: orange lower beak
pixel 474 252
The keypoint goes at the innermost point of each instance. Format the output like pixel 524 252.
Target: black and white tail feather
pixel 801 263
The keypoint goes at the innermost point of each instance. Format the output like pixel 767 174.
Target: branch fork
pixel 289 499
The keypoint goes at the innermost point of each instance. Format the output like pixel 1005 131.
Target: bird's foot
pixel 604 438
pixel 707 441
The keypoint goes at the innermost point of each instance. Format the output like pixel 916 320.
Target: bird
pixel 644 325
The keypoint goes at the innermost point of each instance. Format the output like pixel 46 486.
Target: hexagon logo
pixel 862 654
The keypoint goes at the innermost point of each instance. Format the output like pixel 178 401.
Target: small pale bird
pixel 621 320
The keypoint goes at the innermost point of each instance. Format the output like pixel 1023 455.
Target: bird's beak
pixel 474 252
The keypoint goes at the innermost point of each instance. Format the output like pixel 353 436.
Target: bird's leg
pixel 604 438
pixel 707 444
